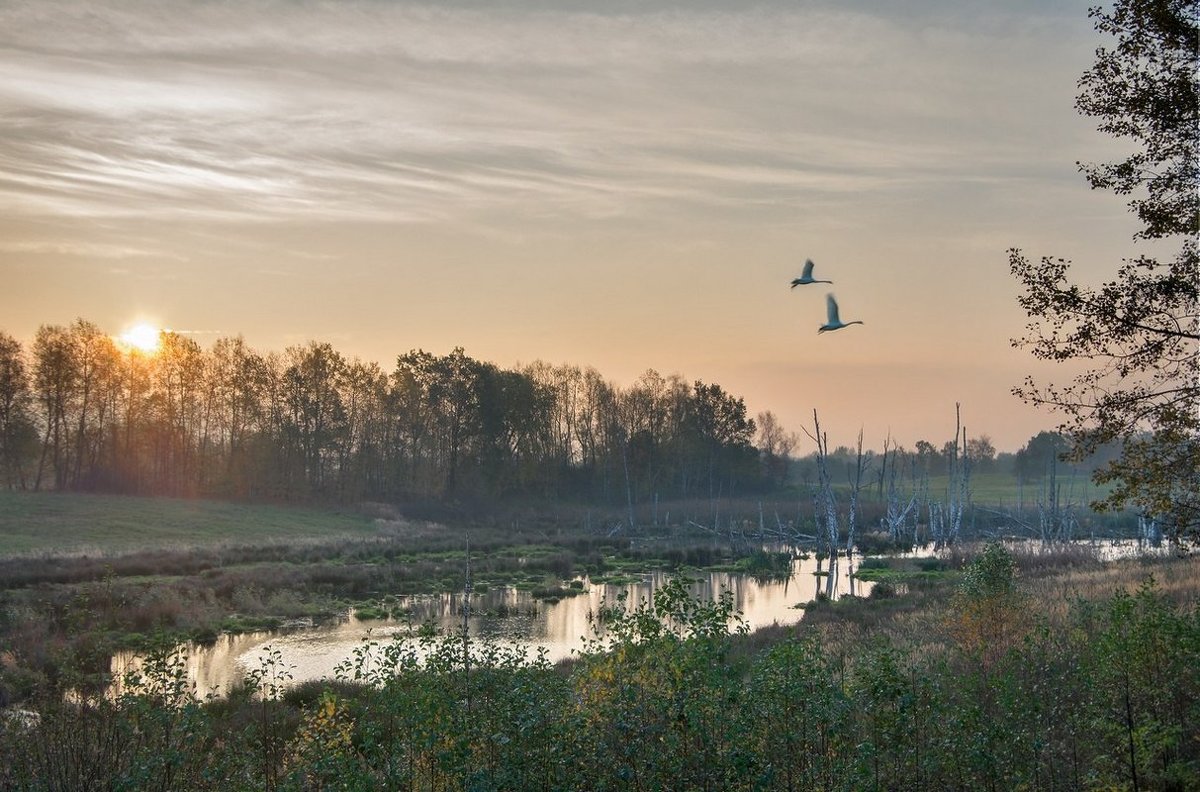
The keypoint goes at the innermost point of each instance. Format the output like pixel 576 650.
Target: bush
pixel 991 575
pixel 875 544
pixel 883 590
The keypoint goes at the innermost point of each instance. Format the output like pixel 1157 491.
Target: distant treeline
pixel 78 411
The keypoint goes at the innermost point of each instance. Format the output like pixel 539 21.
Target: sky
pixel 623 185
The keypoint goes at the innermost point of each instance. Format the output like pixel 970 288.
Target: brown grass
pixel 922 620
pixel 1177 579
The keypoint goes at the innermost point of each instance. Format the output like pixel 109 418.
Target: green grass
pixel 902 575
pixel 617 580
pixel 36 523
pixel 994 488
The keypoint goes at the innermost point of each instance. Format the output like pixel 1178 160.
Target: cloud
pixel 93 250
pixel 395 112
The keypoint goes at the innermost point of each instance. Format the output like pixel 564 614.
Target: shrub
pixel 883 590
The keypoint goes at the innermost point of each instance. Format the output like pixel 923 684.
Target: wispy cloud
pixel 402 112
pixel 95 250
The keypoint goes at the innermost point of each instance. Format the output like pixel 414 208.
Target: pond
pixel 560 628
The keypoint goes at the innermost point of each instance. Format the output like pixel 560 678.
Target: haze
pixel 621 185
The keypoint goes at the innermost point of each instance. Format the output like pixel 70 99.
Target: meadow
pixel 77 523
pixel 1002 489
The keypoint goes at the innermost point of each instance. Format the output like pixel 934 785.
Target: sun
pixel 142 336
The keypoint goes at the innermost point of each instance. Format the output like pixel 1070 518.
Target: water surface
pixel 560 628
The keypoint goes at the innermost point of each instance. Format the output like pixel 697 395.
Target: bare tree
pixel 825 500
pixel 897 509
pixel 775 446
pixel 945 522
pixel 862 465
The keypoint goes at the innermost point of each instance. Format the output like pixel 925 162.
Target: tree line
pixel 78 411
pixel 81 412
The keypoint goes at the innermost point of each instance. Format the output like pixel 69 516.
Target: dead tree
pixel 945 526
pixel 1056 517
pixel 824 500
pixel 922 495
pixel 1056 514
pixel 861 466
pixel 960 479
pixel 1150 533
pixel 896 516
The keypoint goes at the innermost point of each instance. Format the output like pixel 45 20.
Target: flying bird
pixel 834 322
pixel 806 276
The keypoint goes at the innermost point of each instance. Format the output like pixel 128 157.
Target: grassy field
pixel 1002 489
pixel 39 523
pixel 73 523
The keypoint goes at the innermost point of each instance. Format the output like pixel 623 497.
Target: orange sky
pixel 630 189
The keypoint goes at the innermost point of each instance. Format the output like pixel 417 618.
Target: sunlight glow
pixel 142 337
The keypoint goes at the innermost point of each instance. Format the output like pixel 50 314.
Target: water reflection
pixel 560 628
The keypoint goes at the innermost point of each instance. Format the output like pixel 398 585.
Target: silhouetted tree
pixel 1032 461
pixel 775 445
pixel 55 384
pixel 514 427
pixel 238 382
pixel 929 460
pixel 720 438
pixel 362 443
pixel 18 435
pixel 307 423
pixel 316 413
pixel 177 403
pixel 981 452
pixel 97 370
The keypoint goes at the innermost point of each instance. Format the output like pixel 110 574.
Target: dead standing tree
pixel 1057 521
pixel 1056 516
pixel 824 501
pixel 945 523
pixel 896 516
pixel 861 466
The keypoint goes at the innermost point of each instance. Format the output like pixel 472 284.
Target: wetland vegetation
pixel 1045 670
